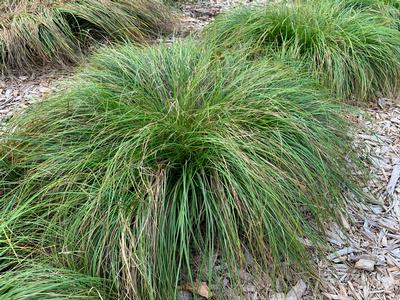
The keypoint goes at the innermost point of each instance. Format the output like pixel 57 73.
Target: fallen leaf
pixel 199 288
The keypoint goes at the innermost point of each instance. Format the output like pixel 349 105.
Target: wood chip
pixel 365 264
pixel 341 252
pixel 296 293
pixel 278 296
pixel 393 179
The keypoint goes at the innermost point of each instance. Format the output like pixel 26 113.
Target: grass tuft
pixel 388 8
pixel 34 33
pixel 34 281
pixel 355 52
pixel 157 157
pixel 372 3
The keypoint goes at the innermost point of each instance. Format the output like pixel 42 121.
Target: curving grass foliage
pixel 388 8
pixel 36 33
pixel 355 52
pixel 36 282
pixel 372 3
pixel 159 156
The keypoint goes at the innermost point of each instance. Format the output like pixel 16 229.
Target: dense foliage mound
pixel 37 32
pixel 157 157
pixel 372 3
pixel 36 281
pixel 355 51
pixel 388 8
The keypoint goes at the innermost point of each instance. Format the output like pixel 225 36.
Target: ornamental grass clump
pixel 35 33
pixel 158 157
pixel 355 52
pixel 388 8
pixel 372 3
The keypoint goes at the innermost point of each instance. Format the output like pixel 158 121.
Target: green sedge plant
pixel 354 52
pixel 36 33
pixel 158 157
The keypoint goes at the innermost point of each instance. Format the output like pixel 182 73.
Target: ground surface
pixel 365 260
pixel 17 92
